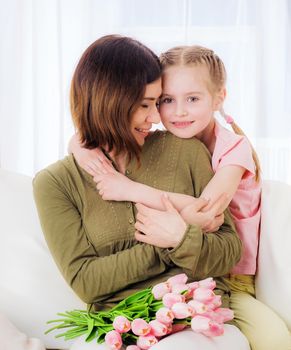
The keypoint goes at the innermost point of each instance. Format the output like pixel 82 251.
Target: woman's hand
pixel 208 216
pixel 164 229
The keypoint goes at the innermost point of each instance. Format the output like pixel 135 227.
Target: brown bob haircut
pixel 107 88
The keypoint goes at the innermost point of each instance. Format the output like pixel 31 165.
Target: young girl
pixel 194 81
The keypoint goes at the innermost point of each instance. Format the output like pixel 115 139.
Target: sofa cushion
pixel 31 287
pixel 273 281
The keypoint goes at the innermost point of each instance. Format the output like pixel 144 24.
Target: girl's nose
pixel 182 114
pixel 180 111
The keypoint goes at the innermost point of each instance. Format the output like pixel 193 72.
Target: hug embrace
pixel 130 208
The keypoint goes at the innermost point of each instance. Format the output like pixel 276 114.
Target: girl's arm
pixel 113 185
pixel 225 180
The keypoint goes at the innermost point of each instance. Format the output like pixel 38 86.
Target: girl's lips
pixel 182 125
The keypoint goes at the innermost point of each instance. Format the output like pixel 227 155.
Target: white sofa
pixel 32 290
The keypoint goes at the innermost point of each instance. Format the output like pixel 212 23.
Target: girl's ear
pixel 219 99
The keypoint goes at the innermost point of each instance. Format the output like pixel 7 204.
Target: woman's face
pixel 147 113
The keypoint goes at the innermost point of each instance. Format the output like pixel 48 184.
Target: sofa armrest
pixel 273 280
pixel 31 287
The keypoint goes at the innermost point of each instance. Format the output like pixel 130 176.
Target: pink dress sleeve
pixel 240 154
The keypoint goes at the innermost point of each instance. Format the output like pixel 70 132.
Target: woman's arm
pixel 199 255
pixel 91 276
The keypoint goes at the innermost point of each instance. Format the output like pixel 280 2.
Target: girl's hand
pixel 208 216
pixel 164 229
pixel 91 160
pixel 114 185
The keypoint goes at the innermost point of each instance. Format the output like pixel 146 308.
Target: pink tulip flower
pixel 181 310
pixel 113 340
pixel 132 347
pixel 206 326
pixel 178 279
pixel 197 307
pixel 215 329
pixel 200 323
pixel 220 315
pixel 140 327
pixel 160 289
pixel 191 287
pixel 203 295
pixel 170 299
pixel 180 287
pixel 165 315
pixel 145 342
pixel 215 303
pixel 207 283
pixel 158 328
pixel 225 313
pixel 121 324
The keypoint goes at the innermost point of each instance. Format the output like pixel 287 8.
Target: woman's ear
pixel 219 99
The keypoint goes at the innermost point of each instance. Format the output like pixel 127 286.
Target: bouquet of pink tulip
pixel 145 317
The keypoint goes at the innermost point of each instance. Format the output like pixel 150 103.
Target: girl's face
pixel 147 113
pixel 186 105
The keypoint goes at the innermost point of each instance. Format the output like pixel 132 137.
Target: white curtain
pixel 42 40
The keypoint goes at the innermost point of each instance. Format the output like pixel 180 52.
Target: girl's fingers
pixel 98 177
pixel 89 169
pixel 108 167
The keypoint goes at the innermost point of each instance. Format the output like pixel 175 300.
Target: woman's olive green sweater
pixel 92 240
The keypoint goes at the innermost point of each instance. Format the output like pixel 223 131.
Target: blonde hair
pixel 201 56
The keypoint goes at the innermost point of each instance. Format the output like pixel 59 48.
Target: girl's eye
pixel 166 100
pixel 192 99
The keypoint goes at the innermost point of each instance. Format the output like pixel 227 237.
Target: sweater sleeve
pixel 92 277
pixel 212 254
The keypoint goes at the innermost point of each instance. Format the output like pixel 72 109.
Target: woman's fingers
pixel 214 224
pixel 141 237
pixel 201 204
pixel 143 209
pixel 141 218
pixel 168 204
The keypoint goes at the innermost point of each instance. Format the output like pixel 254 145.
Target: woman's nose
pixel 154 117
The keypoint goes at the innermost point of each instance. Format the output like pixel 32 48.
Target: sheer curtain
pixel 42 40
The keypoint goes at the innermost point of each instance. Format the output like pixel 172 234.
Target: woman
pixel 114 95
